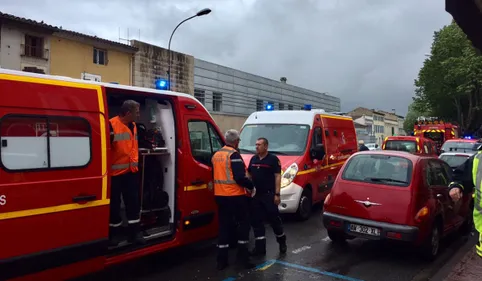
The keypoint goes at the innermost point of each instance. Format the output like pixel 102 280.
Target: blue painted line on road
pixel 229 279
pixel 314 270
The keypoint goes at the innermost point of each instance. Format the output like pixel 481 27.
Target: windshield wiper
pixel 242 150
pixel 386 179
pixel 277 152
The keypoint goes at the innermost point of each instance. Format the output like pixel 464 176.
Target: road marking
pixel 326 239
pixel 269 263
pixel 314 270
pixel 299 250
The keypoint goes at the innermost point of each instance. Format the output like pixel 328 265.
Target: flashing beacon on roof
pixel 307 107
pixel 161 84
pixel 269 107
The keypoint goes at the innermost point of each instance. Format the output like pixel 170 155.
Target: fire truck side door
pixel 198 208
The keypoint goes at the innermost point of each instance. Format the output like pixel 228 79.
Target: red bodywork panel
pixel 40 209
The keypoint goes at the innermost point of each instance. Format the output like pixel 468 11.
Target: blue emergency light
pixel 307 107
pixel 269 107
pixel 161 84
pixel 468 137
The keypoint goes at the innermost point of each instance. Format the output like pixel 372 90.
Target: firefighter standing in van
pixel 124 172
pixel 230 182
pixel 265 171
pixel 470 177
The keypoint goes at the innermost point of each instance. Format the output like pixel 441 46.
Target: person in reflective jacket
pixel 230 184
pixel 468 177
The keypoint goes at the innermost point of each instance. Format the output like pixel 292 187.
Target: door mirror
pixel 318 152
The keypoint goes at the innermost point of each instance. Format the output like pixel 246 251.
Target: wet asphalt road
pixel 311 256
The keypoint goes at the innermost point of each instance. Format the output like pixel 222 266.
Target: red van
pixel 54 174
pixel 398 196
pixel 311 145
pixel 417 145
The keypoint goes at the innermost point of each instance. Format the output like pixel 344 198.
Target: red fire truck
pixel 435 129
pixel 55 183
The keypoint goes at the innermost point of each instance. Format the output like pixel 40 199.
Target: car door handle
pixel 83 198
pixel 198 182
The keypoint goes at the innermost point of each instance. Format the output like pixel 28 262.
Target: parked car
pixel 455 159
pixel 372 146
pixel 396 196
pixel 417 145
pixel 460 145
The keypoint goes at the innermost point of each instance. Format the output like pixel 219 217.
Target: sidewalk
pixel 469 268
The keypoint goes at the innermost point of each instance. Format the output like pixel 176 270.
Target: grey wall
pixel 240 91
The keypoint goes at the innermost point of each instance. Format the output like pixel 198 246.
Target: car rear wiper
pixel 386 179
pixel 278 152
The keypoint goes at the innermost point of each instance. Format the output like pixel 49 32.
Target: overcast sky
pixel 367 52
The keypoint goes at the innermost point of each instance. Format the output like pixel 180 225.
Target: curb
pixel 456 259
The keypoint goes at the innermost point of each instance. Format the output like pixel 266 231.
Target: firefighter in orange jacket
pixel 230 182
pixel 124 172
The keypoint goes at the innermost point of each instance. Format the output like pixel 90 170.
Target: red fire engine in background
pixel 435 129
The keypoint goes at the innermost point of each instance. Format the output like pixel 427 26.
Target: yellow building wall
pixel 71 58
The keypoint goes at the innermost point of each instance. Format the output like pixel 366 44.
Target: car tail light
pixel 327 199
pixel 422 213
pixel 394 235
pixel 335 223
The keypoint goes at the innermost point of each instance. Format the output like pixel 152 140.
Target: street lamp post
pixel 202 12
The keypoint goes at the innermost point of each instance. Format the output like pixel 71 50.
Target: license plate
pixel 364 229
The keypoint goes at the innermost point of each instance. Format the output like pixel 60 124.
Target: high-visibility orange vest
pixel 224 184
pixel 125 148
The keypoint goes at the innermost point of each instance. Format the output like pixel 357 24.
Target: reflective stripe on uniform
pixel 243 242
pixel 122 136
pixel 477 178
pixel 260 238
pixel 134 221
pixel 115 224
pixel 478 247
pixel 228 172
pixel 281 235
pixel 124 166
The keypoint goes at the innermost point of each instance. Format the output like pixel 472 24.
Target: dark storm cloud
pixel 366 52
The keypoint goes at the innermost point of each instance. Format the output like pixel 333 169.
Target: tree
pixel 450 81
pixel 412 115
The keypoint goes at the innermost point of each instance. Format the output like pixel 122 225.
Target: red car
pixel 394 195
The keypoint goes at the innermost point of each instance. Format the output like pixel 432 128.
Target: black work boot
pixel 243 256
pixel 282 244
pixel 222 258
pixel 114 236
pixel 135 234
pixel 259 248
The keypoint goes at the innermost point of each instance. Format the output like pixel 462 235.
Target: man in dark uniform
pixel 265 171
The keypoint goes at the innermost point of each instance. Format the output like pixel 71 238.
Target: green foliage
pixel 449 83
pixel 411 117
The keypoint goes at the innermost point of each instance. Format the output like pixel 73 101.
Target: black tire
pixel 337 236
pixel 305 205
pixel 431 247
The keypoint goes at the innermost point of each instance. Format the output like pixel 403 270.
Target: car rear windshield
pixel 454 160
pixel 460 146
pixel 379 169
pixel 401 145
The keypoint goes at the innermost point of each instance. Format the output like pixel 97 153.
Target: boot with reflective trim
pixel 243 256
pixel 282 244
pixel 135 234
pixel 222 257
pixel 259 247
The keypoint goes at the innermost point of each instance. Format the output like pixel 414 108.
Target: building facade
pixel 383 123
pixel 25 44
pixel 232 95
pixel 91 58
pixel 152 62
